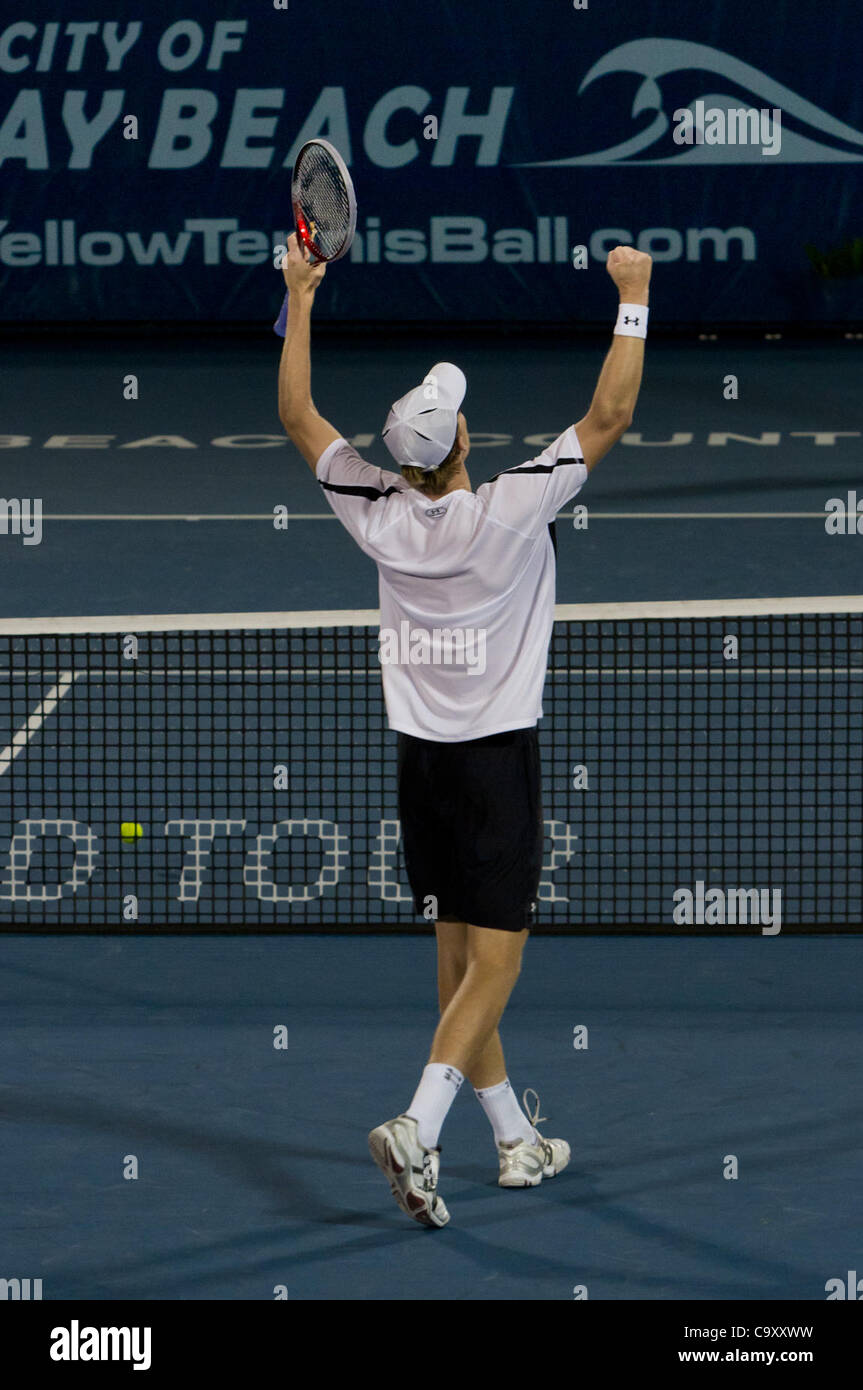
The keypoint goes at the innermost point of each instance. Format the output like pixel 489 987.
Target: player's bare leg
pixel 493 964
pixel 524 1156
pixel 489 1067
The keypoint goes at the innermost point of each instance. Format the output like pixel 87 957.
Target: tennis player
pixel 467 589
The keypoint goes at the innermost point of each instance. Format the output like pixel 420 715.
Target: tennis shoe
pixel 411 1169
pixel 523 1164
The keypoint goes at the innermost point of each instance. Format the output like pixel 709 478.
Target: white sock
pixel 507 1117
pixel 438 1088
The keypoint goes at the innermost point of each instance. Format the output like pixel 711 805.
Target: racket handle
pixel 281 324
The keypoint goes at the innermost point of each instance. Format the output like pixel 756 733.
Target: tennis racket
pixel 325 207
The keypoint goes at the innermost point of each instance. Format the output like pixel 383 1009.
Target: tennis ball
pixel 130 831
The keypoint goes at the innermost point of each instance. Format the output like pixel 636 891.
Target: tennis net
pixel 237 771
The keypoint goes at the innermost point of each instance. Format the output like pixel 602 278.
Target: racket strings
pixel 323 201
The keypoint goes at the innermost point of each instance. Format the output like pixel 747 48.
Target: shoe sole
pixel 522 1182
pixel 411 1203
pixel 535 1182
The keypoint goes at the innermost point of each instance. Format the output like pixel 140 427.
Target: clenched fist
pixel 630 270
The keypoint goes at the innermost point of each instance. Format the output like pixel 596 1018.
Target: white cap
pixel 421 427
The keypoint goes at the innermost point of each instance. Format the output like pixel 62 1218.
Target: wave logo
pixel 653 59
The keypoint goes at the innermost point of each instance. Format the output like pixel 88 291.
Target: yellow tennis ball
pixel 130 831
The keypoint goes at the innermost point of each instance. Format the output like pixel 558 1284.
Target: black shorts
pixel 472 827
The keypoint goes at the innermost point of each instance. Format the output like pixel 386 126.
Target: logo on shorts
pixel 436 511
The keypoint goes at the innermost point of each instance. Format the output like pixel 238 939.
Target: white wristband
pixel 632 320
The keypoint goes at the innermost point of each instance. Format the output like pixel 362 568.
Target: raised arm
pixel 305 427
pixel 613 404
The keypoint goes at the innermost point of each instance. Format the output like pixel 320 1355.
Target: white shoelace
pixel 535 1118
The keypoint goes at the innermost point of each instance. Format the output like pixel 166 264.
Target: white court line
pixel 205 673
pixel 180 516
pixel 695 516
pixel 330 516
pixel 37 718
pixel 370 617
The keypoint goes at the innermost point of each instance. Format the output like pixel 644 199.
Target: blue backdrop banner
pixel 498 152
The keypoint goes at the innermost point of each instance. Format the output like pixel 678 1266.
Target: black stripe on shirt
pixel 371 494
pixel 534 468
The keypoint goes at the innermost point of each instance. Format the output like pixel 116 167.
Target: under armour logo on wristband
pixel 632 320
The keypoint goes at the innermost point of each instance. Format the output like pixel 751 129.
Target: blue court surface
pixel 252 1162
pixel 166 504
pixel 253 1168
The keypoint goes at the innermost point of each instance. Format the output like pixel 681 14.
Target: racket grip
pixel 281 324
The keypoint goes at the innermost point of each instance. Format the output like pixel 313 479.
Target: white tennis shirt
pixel 467 587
